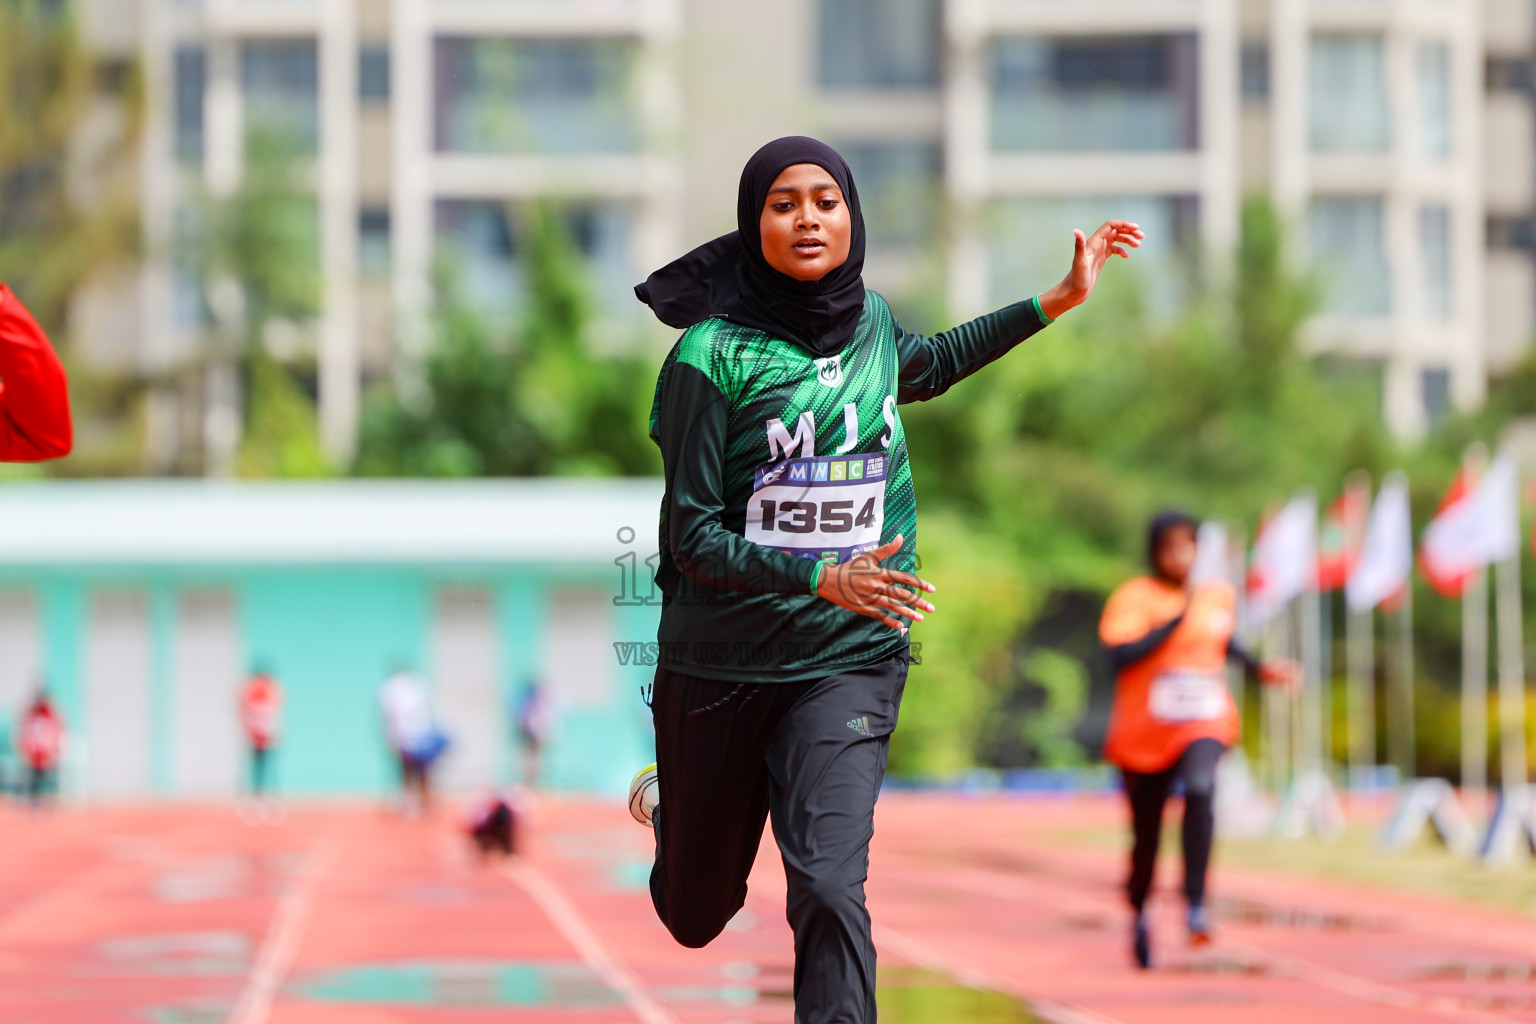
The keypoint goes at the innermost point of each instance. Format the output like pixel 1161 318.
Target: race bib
pixel 1188 696
pixel 824 506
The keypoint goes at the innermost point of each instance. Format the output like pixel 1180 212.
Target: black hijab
pixel 730 277
pixel 1162 524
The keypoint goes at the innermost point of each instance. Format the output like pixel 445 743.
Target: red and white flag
pixel 1386 555
pixel 1475 526
pixel 1284 562
pixel 1339 538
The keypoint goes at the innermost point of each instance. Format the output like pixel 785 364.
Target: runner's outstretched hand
pixel 862 585
pixel 1114 238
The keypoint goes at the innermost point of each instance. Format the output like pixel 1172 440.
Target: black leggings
pixel 1147 794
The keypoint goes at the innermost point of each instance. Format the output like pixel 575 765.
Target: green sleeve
pixel 929 366
pixel 690 419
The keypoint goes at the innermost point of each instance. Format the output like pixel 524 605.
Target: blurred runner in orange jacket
pixel 34 395
pixel 41 741
pixel 1173 717
pixel 261 709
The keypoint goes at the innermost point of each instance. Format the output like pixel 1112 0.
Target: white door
pixel 118 713
pixel 578 651
pixel 208 747
pixel 20 657
pixel 465 666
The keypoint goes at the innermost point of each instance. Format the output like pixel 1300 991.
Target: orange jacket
pixel 1178 693
pixel 34 395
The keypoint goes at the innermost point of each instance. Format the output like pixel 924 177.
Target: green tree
pixel 69 131
pixel 539 399
pixel 256 251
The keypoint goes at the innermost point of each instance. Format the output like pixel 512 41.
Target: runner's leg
pixel 710 738
pixel 826 763
pixel 1197 768
pixel 1146 793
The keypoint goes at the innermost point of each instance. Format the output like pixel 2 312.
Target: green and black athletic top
pixel 777 461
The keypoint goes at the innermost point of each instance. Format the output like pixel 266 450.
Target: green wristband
pixel 816 575
pixel 1041 312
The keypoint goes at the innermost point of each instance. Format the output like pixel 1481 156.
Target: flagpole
pixel 1474 692
pixel 1407 754
pixel 1325 679
pixel 1360 647
pixel 1512 760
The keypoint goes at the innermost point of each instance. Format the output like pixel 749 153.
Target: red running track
pixel 346 915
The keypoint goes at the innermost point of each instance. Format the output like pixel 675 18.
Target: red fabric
pixel 1448 585
pixel 34 395
pixel 1339 540
pixel 42 737
pixel 261 706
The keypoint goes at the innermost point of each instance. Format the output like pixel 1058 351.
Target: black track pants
pixel 1147 794
pixel 811 755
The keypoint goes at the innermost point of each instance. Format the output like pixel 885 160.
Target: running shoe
pixel 1141 941
pixel 644 793
pixel 1199 927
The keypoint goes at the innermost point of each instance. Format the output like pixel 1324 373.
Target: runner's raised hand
pixel 862 585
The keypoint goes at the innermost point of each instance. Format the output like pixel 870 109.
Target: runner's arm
pixel 692 416
pixel 929 366
pixel 34 395
pixel 1123 656
pixel 1244 657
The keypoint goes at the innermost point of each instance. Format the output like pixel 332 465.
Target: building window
pixel 1254 71
pixel 880 43
pixel 1348 106
pixel 373 74
pixel 280 79
pixel 1096 93
pixel 191 82
pixel 1435 250
pixel 1347 238
pixel 900 189
pixel 536 96
pixel 1512 74
pixel 1019 270
pixel 1511 232
pixel 373 243
pixel 1435 382
pixel 485 243
pixel 1433 71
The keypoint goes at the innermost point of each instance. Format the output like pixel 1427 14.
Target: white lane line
pixel 254 1006
pixel 996 884
pixel 559 908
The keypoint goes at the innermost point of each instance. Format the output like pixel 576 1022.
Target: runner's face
pixel 805 225
pixel 1176 555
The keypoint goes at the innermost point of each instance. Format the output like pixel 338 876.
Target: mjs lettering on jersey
pixel 829 506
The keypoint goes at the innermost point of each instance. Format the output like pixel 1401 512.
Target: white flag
pixel 1480 529
pixel 1284 559
pixel 1386 556
pixel 1211 555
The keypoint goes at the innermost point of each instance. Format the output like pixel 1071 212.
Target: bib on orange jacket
pixel 1178 693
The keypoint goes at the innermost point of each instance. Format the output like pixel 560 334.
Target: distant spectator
pixel 261 712
pixel 413 735
pixel 536 717
pixel 41 740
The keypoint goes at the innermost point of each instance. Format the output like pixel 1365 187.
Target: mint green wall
pixel 331 637
pixel 331 634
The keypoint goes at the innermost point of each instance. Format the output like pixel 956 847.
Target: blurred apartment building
pixel 1396 135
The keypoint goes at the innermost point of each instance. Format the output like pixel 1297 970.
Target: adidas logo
pixel 860 725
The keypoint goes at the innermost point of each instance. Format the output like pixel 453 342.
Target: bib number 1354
pixel 820 506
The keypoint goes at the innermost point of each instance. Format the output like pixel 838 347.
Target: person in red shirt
pixel 261 712
pixel 34 393
pixel 41 740
pixel 1169 641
